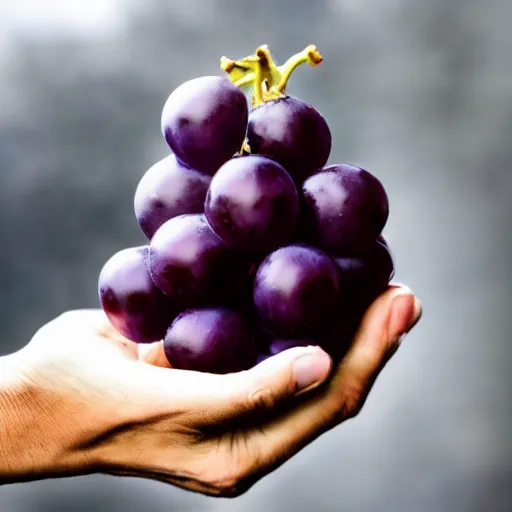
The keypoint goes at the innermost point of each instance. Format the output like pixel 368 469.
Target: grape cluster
pixel 255 244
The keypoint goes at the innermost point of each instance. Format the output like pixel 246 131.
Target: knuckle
pixel 229 482
pixel 352 407
pixel 262 399
pixel 348 403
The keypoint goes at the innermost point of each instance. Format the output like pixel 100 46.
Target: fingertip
pixel 311 369
pixel 310 366
pixel 405 312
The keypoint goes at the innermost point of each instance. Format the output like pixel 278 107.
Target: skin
pixel 82 399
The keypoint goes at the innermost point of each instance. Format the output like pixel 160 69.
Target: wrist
pixel 30 448
pixel 21 452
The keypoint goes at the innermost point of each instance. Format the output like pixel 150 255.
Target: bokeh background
pixel 419 93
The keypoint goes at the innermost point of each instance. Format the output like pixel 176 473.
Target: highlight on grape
pixel 256 243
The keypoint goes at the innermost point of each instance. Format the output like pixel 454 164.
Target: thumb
pixel 281 377
pixel 219 398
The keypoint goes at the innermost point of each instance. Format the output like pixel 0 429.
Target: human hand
pixel 84 399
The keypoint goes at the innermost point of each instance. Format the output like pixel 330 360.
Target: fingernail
pixel 310 370
pixel 405 313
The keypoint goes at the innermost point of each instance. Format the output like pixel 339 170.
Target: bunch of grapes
pixel 255 244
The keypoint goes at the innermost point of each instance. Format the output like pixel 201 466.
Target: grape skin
pixel 296 292
pixel 168 189
pixel 204 122
pixel 364 278
pixel 214 340
pixel 190 263
pixel 344 209
pixel 291 132
pixel 130 299
pixel 252 204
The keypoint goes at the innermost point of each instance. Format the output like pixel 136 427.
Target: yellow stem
pixel 269 81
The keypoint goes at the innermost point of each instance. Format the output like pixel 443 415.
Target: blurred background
pixel 419 93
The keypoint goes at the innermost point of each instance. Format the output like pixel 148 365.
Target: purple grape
pixel 362 279
pixel 214 340
pixel 291 132
pixel 204 122
pixel 189 262
pixel 252 204
pixel 168 189
pixel 365 277
pixel 296 292
pixel 131 301
pixel 344 210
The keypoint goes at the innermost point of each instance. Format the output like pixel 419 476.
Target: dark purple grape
pixel 130 299
pixel 252 204
pixel 362 280
pixel 291 132
pixel 214 340
pixel 278 346
pixel 204 122
pixel 365 277
pixel 344 210
pixel 168 189
pixel 189 262
pixel 296 292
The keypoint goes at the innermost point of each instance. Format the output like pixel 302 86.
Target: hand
pixel 80 398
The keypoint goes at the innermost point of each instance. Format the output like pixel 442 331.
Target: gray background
pixel 419 93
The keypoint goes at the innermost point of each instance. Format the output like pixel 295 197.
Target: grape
pixel 362 280
pixel 168 189
pixel 256 245
pixel 252 204
pixel 214 340
pixel 365 277
pixel 296 291
pixel 291 132
pixel 133 304
pixel 345 209
pixel 189 262
pixel 204 122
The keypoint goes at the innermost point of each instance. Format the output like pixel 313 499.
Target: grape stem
pixel 268 80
